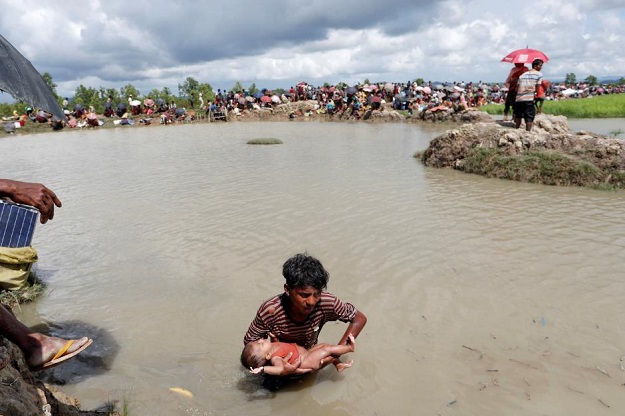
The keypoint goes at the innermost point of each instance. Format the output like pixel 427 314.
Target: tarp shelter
pixel 19 78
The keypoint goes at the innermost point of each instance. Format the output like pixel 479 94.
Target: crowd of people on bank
pixel 350 102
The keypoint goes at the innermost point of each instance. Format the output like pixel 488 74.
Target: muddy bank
pixel 549 154
pixel 21 393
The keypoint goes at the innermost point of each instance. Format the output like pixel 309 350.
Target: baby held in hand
pixel 264 356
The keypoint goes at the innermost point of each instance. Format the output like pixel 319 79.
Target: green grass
pixel 111 407
pixel 29 293
pixel 543 167
pixel 603 106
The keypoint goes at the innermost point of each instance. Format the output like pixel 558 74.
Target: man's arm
pixel 537 88
pixel 354 327
pixel 34 194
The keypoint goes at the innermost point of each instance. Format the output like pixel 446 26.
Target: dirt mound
pixel 23 394
pixel 549 154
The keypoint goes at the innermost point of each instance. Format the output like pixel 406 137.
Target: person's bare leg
pixel 517 122
pixel 37 348
pixel 322 354
pixel 528 126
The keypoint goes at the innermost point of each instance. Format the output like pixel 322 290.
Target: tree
pixel 591 80
pixel 570 79
pixel 237 87
pixel 188 87
pixel 129 91
pixel 106 92
pixel 156 94
pixel 207 91
pixel 48 79
pixel 366 81
pixel 253 89
pixel 419 81
pixel 621 81
pixel 87 96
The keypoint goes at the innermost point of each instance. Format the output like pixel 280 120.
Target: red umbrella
pixel 265 99
pixel 524 56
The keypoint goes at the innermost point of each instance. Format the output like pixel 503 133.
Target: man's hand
pixel 287 369
pixel 34 194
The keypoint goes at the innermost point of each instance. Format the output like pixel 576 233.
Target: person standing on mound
pixel 529 84
pixel 298 315
pixel 511 84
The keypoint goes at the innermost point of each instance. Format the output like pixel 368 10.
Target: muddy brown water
pixel 484 297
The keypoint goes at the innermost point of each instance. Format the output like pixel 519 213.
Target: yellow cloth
pixel 15 265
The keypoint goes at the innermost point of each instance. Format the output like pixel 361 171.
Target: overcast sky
pixel 276 43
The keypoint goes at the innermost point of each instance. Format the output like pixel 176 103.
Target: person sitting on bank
pixel 40 351
pixel 108 107
pixel 41 117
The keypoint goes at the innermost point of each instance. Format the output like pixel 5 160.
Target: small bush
pixel 265 141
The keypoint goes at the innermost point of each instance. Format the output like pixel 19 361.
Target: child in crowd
pixel 541 93
pixel 258 355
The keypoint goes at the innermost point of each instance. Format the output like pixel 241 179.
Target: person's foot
pixel 342 366
pixel 49 351
pixel 351 341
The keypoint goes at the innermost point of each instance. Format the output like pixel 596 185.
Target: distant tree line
pixel 188 92
pixel 571 79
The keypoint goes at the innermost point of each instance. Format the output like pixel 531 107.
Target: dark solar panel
pixel 17 224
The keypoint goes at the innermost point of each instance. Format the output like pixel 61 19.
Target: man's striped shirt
pixel 527 85
pixel 272 317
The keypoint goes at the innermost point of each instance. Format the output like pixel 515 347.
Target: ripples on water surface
pixel 495 296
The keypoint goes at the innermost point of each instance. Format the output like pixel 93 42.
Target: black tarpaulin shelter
pixel 19 78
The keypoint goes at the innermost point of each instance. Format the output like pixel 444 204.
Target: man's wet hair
pixel 303 270
pixel 537 62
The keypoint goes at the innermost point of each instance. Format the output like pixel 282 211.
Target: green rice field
pixel 603 106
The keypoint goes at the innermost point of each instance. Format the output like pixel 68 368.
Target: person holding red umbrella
pixel 528 85
pixel 511 84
